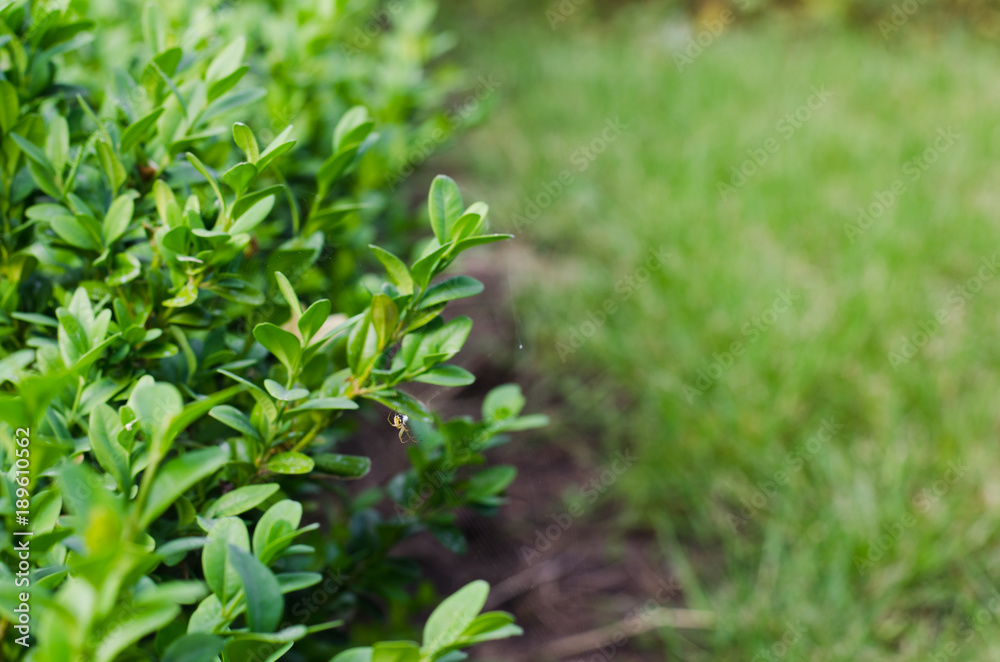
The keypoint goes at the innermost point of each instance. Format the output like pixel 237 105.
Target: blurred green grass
pixel 776 523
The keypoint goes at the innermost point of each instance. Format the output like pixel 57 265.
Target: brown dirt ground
pixel 594 574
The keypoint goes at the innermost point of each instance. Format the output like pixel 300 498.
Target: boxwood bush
pixel 189 337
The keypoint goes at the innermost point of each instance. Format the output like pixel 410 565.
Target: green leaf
pixel 235 419
pixel 278 521
pixel 466 244
pixel 490 481
pixel 265 604
pixel 313 319
pixel 291 463
pixel 126 269
pixel 138 129
pixel 427 267
pixel 458 287
pixel 200 167
pixel 345 466
pixel 445 206
pixel 385 317
pixel 289 294
pixel 251 216
pixel 266 404
pixel 361 344
pixel 104 428
pixel 281 393
pixel 283 344
pixel 155 404
pixel 446 375
pixel 324 404
pixel 241 500
pixel 238 177
pixel 10 106
pixel 117 219
pixel 196 647
pixel 57 143
pixel 227 534
pixel 227 61
pixel 395 651
pixel 223 85
pixel 278 146
pixel 395 268
pixel 179 475
pixel 355 655
pixel 132 623
pixel 446 624
pixel 71 230
pixel 352 128
pixel 502 403
pixel 112 167
pixel 245 141
pixel 255 650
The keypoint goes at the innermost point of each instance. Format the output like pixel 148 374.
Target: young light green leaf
pixel 245 140
pixel 385 317
pixel 241 500
pixel 503 402
pixel 445 206
pixel 138 129
pixel 278 521
pixel 283 344
pixel 313 319
pixel 289 294
pixel 446 375
pixel 117 220
pixel 221 576
pixel 458 287
pixel 453 616
pixel 395 268
pixel 281 393
pixel 104 428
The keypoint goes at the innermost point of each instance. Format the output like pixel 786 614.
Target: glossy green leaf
pixel 241 500
pixel 291 462
pixel 447 622
pixel 178 475
pixel 265 604
pixel 445 206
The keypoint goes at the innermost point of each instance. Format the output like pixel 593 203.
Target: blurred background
pixel 754 284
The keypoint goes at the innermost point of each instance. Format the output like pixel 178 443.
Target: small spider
pixel 401 423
